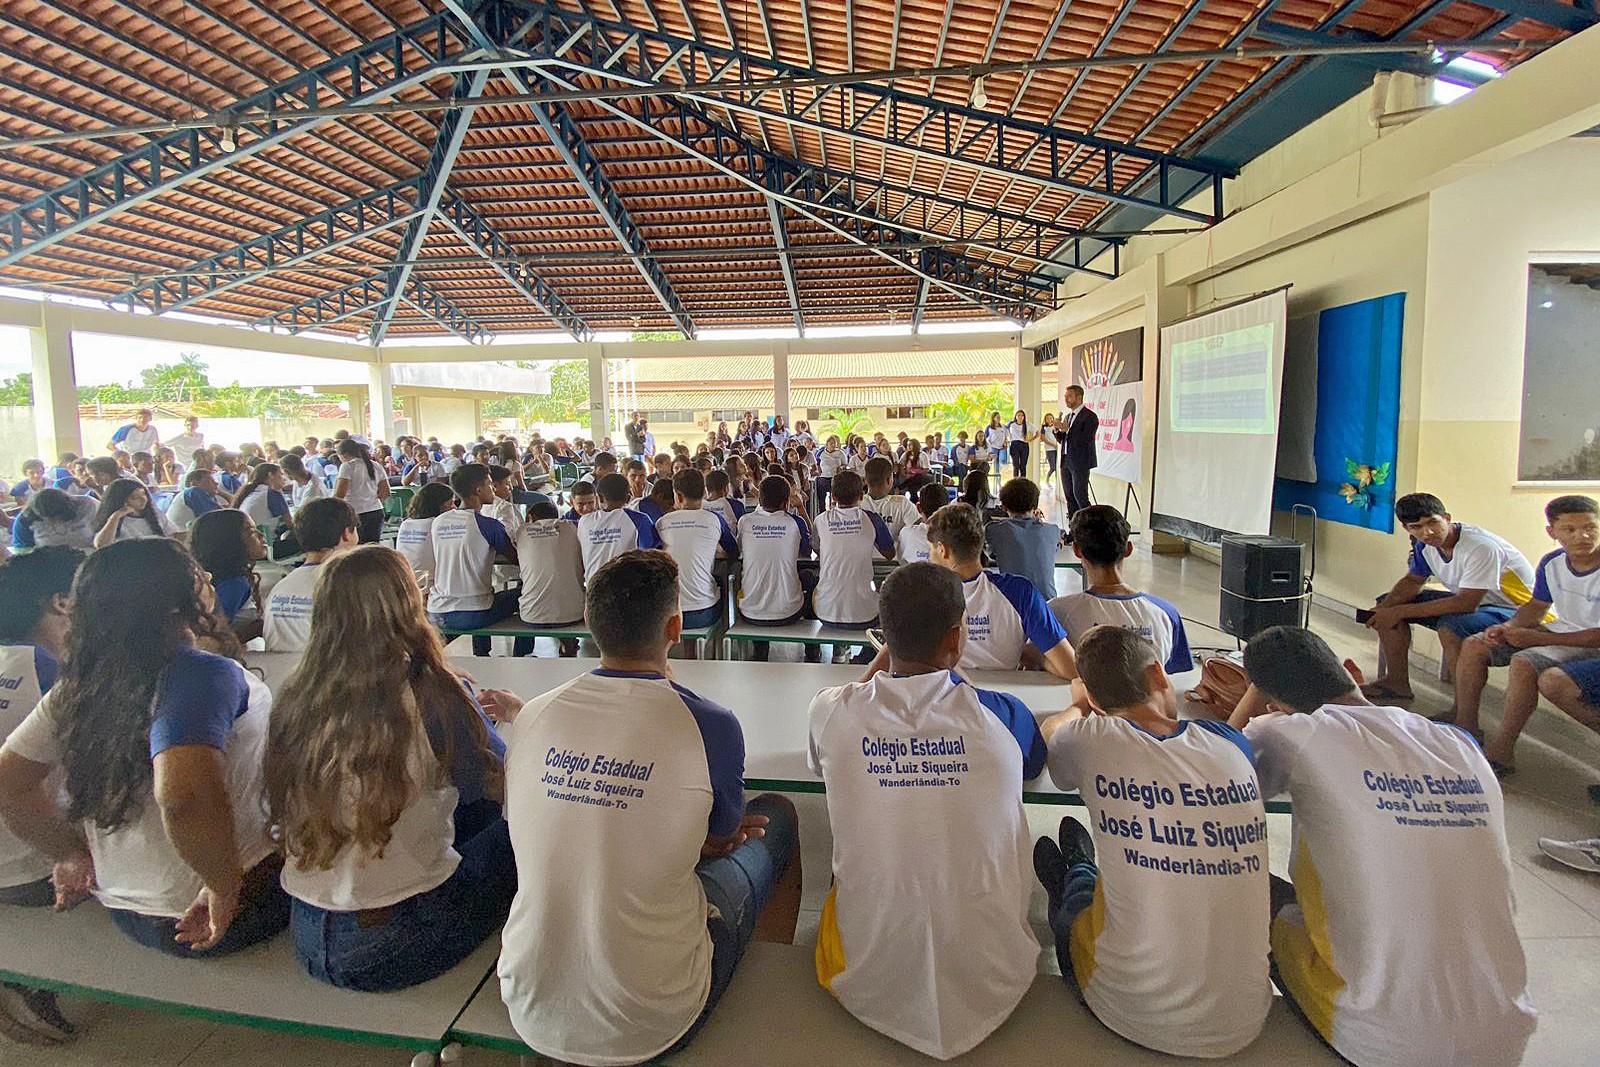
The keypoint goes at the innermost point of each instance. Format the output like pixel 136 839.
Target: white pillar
pixel 599 400
pixel 1028 382
pixel 380 396
pixel 780 385
pixel 356 397
pixel 55 386
pixel 477 416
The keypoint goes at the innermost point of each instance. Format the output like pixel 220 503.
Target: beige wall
pixel 451 419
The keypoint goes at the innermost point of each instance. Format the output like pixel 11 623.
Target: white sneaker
pixel 31 1016
pixel 1579 855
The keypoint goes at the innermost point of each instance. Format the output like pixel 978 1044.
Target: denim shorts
pixel 1586 674
pixel 1542 657
pixel 1464 624
pixel 702 617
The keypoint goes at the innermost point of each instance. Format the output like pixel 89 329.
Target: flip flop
pixel 1382 692
pixel 1450 720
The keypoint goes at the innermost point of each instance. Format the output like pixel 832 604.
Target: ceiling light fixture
pixel 980 99
pixel 230 139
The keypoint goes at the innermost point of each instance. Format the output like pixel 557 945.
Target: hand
pixel 125 512
pixel 750 826
pixel 73 878
pixel 1383 619
pixel 208 918
pixel 1356 673
pixel 1522 636
pixel 1495 636
pixel 500 705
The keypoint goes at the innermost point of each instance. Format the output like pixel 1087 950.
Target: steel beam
pixel 482 238
pixel 922 306
pixel 369 295
pixel 1549 12
pixel 780 234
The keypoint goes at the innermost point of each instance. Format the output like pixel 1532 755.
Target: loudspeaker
pixel 1263 584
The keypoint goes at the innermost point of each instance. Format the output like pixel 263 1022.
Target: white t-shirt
pixel 363 492
pixel 286 616
pixel 1480 560
pixel 1575 596
pixel 771 544
pixel 896 511
pixel 1401 949
pixel 551 561
pixel 1005 614
pixel 507 514
pixel 913 543
pixel 692 536
pixel 605 535
pixel 1172 953
pixel 203 700
pixel 730 509
pixel 137 527
pixel 414 541
pixel 258 505
pixel 997 439
pixel 185 445
pixel 131 439
pixel 925 935
pixel 831 462
pixel 314 489
pixel 1016 431
pixel 1078 613
pixel 465 545
pixel 605 957
pixel 26 673
pixel 848 540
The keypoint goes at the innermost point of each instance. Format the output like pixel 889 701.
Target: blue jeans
pixel 1463 624
pixel 702 617
pixel 506 605
pixel 525 498
pixel 263 913
pixel 737 887
pixel 1077 896
pixel 418 939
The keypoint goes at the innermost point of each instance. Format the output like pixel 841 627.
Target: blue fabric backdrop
pixel 1358 410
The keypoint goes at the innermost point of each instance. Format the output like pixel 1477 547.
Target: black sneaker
pixel 1051 870
pixel 1075 842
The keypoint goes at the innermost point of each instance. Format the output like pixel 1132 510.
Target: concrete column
pixel 1027 381
pixel 55 386
pixel 356 397
pixel 477 416
pixel 780 385
pixel 380 396
pixel 599 399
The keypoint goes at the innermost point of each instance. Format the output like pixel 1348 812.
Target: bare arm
pixel 108 533
pixel 1061 661
pixel 192 793
pixel 341 488
pixel 32 813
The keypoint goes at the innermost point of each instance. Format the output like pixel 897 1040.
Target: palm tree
pixel 845 423
pixel 971 408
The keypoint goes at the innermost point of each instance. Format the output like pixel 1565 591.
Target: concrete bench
pixel 744 633
pixel 776 1014
pixel 706 637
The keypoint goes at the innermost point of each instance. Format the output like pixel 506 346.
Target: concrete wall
pixel 450 419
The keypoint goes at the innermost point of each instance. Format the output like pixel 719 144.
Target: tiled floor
pixel 1558 909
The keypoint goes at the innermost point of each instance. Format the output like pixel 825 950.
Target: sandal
pixel 1381 691
pixel 1450 720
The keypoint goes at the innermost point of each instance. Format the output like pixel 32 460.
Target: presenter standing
pixel 1077 430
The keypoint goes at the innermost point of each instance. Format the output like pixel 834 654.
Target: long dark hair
pixel 258 477
pixel 131 604
pixel 430 501
pixel 51 505
pixel 217 539
pixel 975 490
pixel 116 496
pixel 350 448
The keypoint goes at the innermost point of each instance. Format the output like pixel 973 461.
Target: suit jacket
pixel 1077 445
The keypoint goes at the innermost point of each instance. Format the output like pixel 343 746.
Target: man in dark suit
pixel 1077 431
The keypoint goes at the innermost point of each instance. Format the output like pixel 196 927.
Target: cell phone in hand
pixel 1363 615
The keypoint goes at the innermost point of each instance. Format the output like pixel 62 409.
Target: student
pixel 659 501
pixel 604 463
pixel 183 446
pixel 262 499
pixel 138 436
pixel 996 440
pixel 1009 626
pixel 913 544
pixel 126 513
pixel 55 517
pixel 1485 579
pixel 830 462
pixel 143 466
pixel 1100 539
pixel 896 511
pixel 1564 649
pixel 957 915
pixel 229 468
pixel 638 482
pixel 614 529
pixel 1165 938
pixel 961 457
pixel 387 802
pixel 1049 444
pixel 584 501
pixel 159 745
pixel 228 546
pixel 458 456
pixel 975 490
pixel 674 871
pixel 1017 437
pixel 772 542
pixel 102 472
pixel 848 539
pixel 361 482
pixel 1388 807
pixel 414 539
pixel 33 480
pixel 718 500
pixel 1022 543
pixel 696 539
pixel 422 469
pixel 201 495
pixel 466 544
pixel 551 560
pixel 325 527
pixel 504 510
pixel 303 488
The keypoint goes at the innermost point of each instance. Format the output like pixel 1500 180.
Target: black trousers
pixel 1076 482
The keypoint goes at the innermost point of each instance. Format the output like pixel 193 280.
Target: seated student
pixel 465 547
pixel 957 915
pixel 33 480
pixel 414 539
pixel 772 542
pixel 1485 579
pixel 1388 808
pixel 614 529
pixel 1100 539
pixel 551 561
pixel 848 538
pixel 143 467
pixel 262 498
pixel 660 500
pixel 56 517
pixel 230 468
pixel 719 500
pixel 127 513
pixel 421 468
pixel 584 501
pixel 1022 543
pixel 661 468
pixel 504 510
pixel 1565 650
pixel 896 511
pixel 696 539
pixel 303 488
pixel 228 546
pixel 1166 939
pixel 325 527
pixel 638 482
pixel 160 749
pixel 1009 625
pixel 913 545
pixel 617 952
pixel 387 804
pixel 975 491
pixel 200 495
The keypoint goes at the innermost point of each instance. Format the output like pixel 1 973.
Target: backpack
pixel 1222 685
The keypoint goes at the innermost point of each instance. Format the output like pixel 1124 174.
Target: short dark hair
pixel 774 492
pixel 105 465
pixel 430 501
pixel 689 484
pixel 497 473
pixel 930 498
pixel 918 604
pixel 717 482
pixel 1112 662
pixel 467 478
pixel 291 463
pixel 1571 504
pixel 633 465
pixel 1295 667
pixel 27 585
pixel 629 601
pixel 196 476
pixel 583 488
pixel 847 488
pixel 543 509
pixel 1414 507
pixel 320 524
pixel 613 489
pixel 662 493
pixel 880 469
pixel 1020 496
pixel 1100 533
pixel 959 528
pixel 606 461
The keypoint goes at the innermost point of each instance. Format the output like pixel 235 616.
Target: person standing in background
pixel 138 436
pixel 1078 429
pixel 191 438
pixel 1049 445
pixel 1017 437
pixel 634 432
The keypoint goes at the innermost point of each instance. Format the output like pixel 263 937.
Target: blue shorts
pixel 1585 673
pixel 1466 623
pixel 700 618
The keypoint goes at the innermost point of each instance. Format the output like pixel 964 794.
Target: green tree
pixel 17 392
pixel 180 381
pixel 845 423
pixel 655 335
pixel 568 400
pixel 971 408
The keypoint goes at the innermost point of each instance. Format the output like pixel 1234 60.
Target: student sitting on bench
pixel 466 544
pixel 616 952
pixel 551 562
pixel 385 788
pixel 1022 543
pixel 1100 540
pixel 659 500
pixel 1396 941
pixel 161 746
pixel 1485 579
pixel 614 529
pixel 849 538
pixel 696 539
pixel 1166 937
pixel 200 495
pixel 895 509
pixel 718 500
pixel 325 526
pixel 584 501
pixel 1009 626
pixel 957 915
pixel 503 510
pixel 414 539
pixel 914 538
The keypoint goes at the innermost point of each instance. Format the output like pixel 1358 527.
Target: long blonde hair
pixel 374 684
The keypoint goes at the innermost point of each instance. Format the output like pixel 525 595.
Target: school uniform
pixel 551 560
pixel 507 514
pixel 692 536
pixel 131 439
pixel 300 495
pixel 78 532
pixel 848 540
pixel 362 495
pixel 605 535
pixel 1143 613
pixel 141 527
pixel 1575 597
pixel 1479 560
pixel 286 616
pixel 26 673
pixel 465 547
pixel 913 543
pixel 1005 614
pixel 730 509
pixel 414 541
pixel 771 545
pixel 267 507
pixel 896 511
pixel 648 507
pixel 829 463
pixel 234 593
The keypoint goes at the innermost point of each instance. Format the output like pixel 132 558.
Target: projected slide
pixel 1223 383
